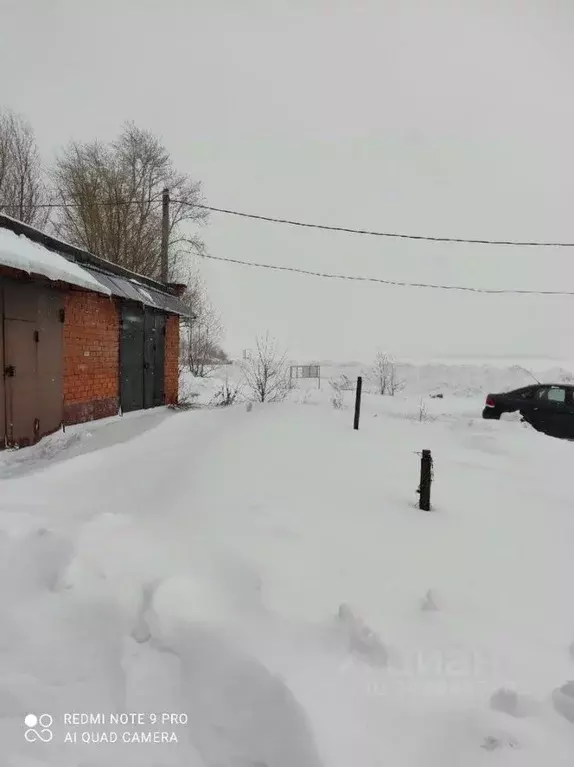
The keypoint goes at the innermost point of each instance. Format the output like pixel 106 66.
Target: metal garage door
pixel 50 360
pixel 32 362
pixel 2 388
pixel 131 358
pixel 159 387
pixel 142 355
pixel 20 382
pixel 154 331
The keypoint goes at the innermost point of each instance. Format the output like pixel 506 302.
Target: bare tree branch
pixel 267 372
pixel 200 351
pixel 116 194
pixel 22 185
pixel 384 375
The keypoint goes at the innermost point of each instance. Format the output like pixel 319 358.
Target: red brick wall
pixel 91 357
pixel 171 381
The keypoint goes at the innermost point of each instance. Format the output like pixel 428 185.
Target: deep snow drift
pixel 267 575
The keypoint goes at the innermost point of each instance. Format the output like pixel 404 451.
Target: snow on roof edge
pixel 102 262
pixel 22 253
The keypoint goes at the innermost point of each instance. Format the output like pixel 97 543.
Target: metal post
pixel 426 480
pixel 165 236
pixel 358 402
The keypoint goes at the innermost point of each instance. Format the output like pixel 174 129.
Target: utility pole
pixel 164 236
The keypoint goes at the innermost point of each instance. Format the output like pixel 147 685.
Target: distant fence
pixel 305 371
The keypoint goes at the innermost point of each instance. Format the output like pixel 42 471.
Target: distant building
pixel 81 338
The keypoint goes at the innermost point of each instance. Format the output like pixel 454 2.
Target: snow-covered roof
pixel 19 252
pixel 28 249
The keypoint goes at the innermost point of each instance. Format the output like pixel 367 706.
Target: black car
pixel 549 408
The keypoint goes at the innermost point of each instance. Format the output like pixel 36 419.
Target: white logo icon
pixel 33 722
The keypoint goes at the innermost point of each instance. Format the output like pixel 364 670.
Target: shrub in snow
pixel 187 394
pixel 185 404
pixel 337 396
pixel 384 375
pixel 266 372
pixel 423 415
pixel 343 383
pixel 337 401
pixel 226 395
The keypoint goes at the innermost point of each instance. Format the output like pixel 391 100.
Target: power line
pixel 396 235
pixel 99 203
pixel 322 227
pixel 397 283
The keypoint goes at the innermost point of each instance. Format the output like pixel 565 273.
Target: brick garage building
pixel 80 338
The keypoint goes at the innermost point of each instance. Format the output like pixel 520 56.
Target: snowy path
pixel 114 524
pixel 199 568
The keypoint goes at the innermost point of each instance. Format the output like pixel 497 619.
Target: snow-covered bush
pixel 384 375
pixel 337 392
pixel 423 412
pixel 266 372
pixel 227 394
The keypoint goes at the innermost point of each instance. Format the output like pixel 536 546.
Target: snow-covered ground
pixel 268 576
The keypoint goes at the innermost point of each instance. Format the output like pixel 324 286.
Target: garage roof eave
pixel 133 291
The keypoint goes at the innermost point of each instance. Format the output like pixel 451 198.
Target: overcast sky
pixel 450 117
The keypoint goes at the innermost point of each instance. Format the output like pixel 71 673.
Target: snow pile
pixel 18 252
pixel 472 380
pixel 267 577
pixel 464 380
pixel 203 392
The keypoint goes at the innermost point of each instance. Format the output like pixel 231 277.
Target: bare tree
pixel 200 349
pixel 379 372
pixel 113 196
pixel 267 372
pixel 22 184
pixel 423 412
pixel 395 383
pixel 384 375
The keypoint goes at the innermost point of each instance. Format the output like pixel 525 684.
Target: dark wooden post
pixel 358 402
pixel 426 480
